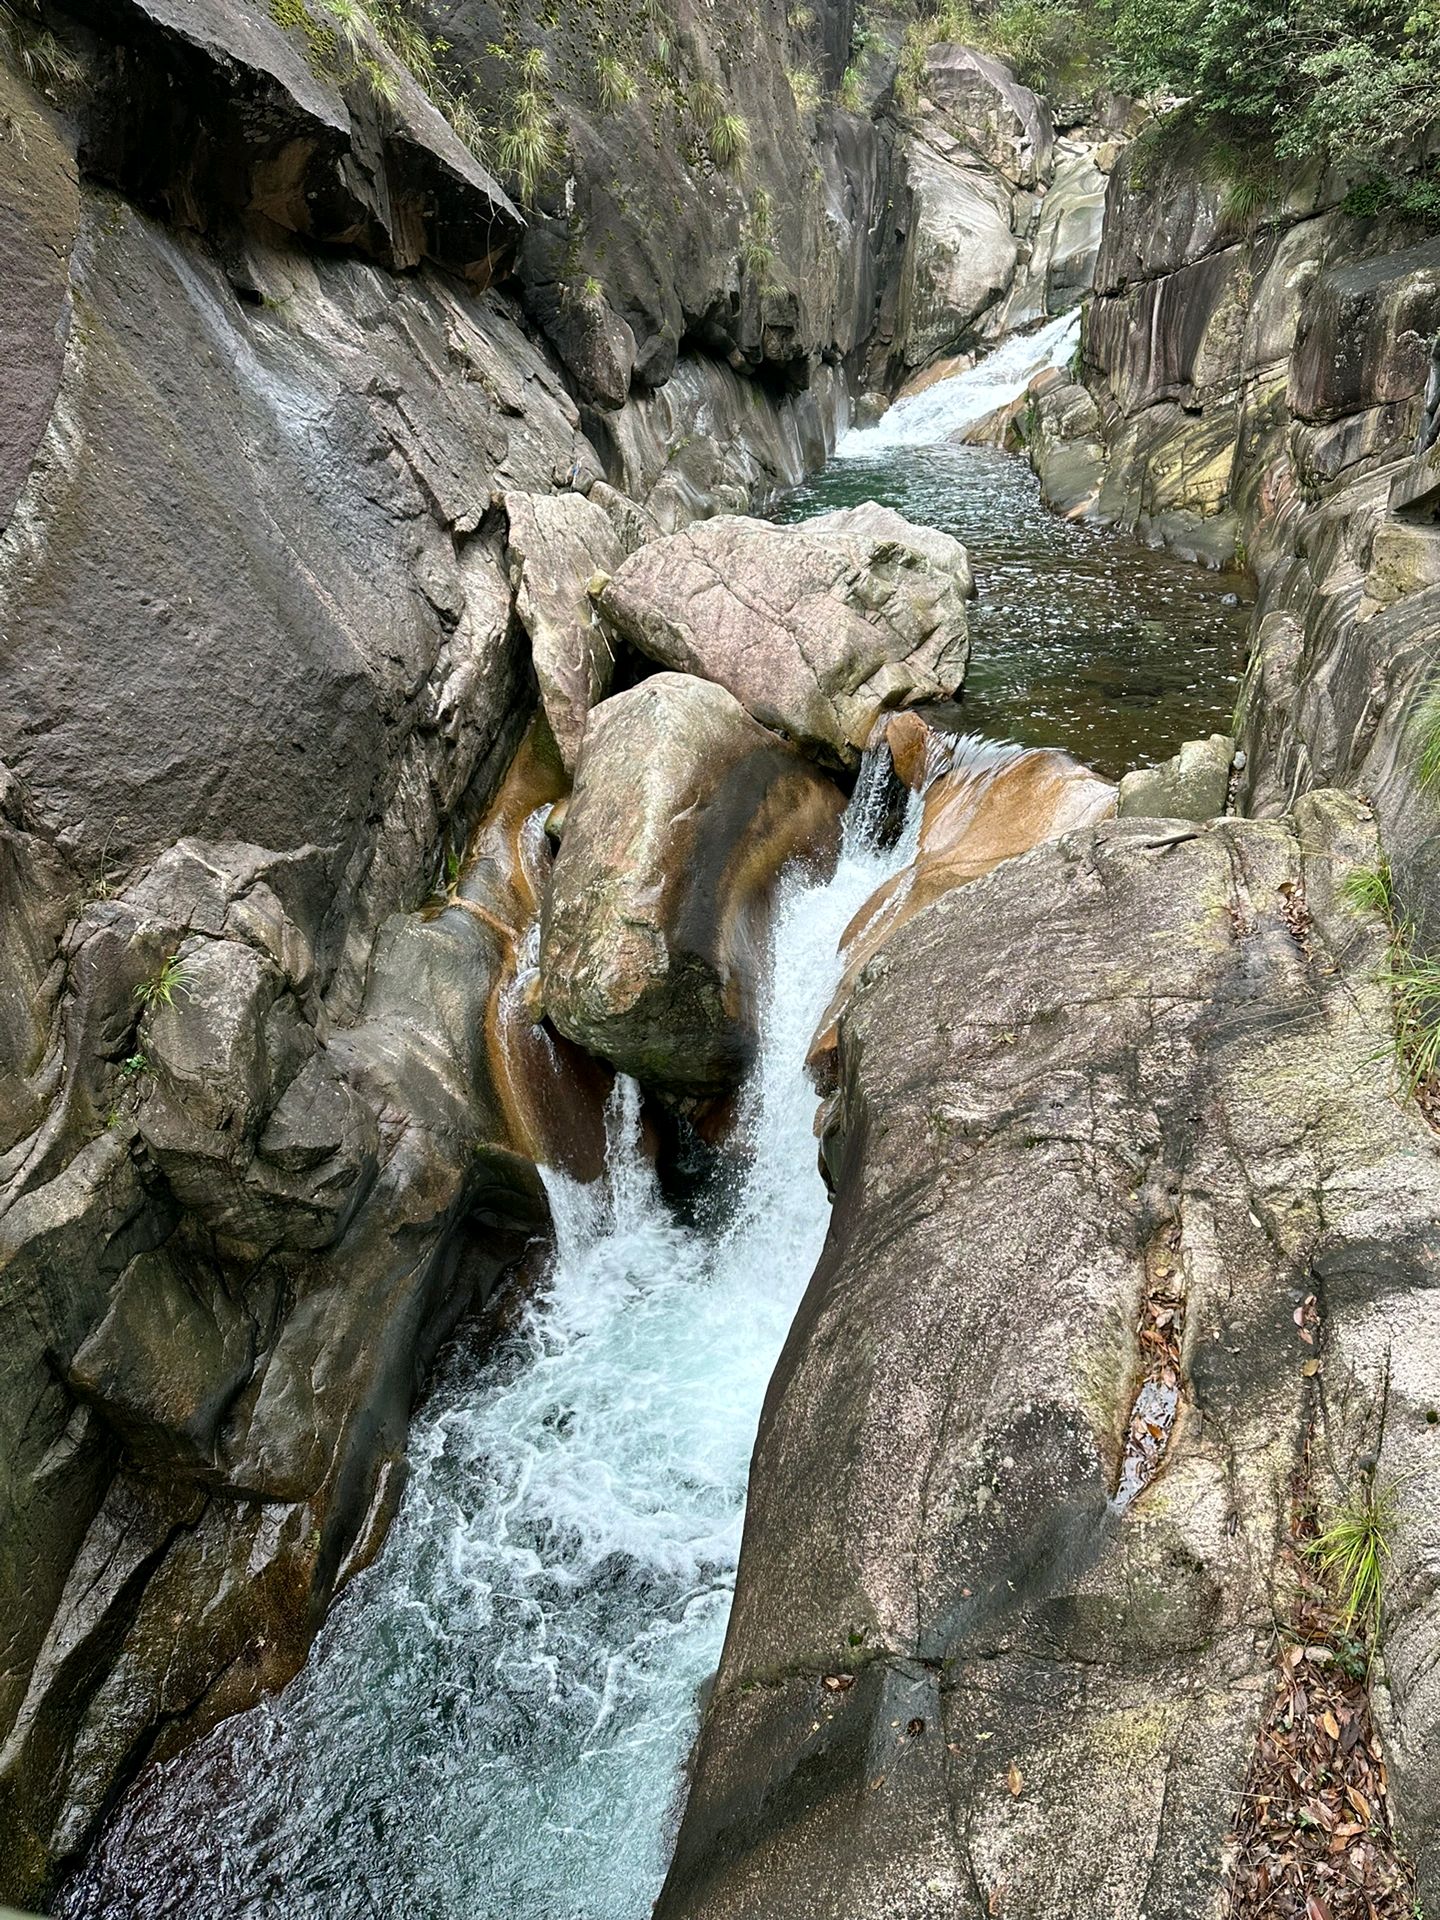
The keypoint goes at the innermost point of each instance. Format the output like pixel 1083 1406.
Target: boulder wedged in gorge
pixel 961 1677
pixel 815 629
pixel 684 813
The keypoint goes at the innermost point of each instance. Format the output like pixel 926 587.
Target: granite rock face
pixel 816 629
pixel 1266 392
pixel 953 1639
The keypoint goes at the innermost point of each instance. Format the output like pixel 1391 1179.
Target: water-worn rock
pixel 1191 785
pixel 984 802
pixel 816 629
pixel 1038 1703
pixel 684 813
pixel 980 103
pixel 556 544
pixel 963 248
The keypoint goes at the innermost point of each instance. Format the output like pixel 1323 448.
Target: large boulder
pixel 963 249
pixel 816 629
pixel 989 1653
pixel 685 813
pixel 980 103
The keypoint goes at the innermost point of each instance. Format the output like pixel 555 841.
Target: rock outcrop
pixel 1192 785
pixel 556 544
pixel 965 1673
pixel 816 629
pixel 1005 220
pixel 1262 389
pixel 654 937
pixel 983 802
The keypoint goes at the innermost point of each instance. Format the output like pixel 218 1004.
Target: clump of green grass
pixel 757 248
pixel 1351 1552
pixel 1369 889
pixel 804 88
pixel 1414 979
pixel 849 90
pixel 529 147
pixel 35 50
pixel 1424 726
pixel 613 83
pixel 729 138
pixel 173 978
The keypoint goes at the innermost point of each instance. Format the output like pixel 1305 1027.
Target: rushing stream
pixel 493 1723
pixel 494 1720
pixel 1080 638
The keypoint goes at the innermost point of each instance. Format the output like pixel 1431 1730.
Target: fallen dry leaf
pixel 1014 1779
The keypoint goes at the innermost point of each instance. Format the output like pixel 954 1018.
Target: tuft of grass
pixel 729 137
pixel 802 19
pixel 757 248
pixel 804 88
pixel 1414 979
pixel 529 147
pixel 849 90
pixel 613 83
pixel 172 978
pixel 1424 728
pixel 1369 889
pixel 35 50
pixel 1351 1553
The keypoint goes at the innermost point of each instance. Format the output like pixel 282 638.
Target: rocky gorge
pixel 456 839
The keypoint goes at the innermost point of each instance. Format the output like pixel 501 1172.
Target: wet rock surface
pixel 654 937
pixel 948 1646
pixel 816 629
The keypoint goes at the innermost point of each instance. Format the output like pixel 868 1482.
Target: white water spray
pixel 924 419
pixel 494 1722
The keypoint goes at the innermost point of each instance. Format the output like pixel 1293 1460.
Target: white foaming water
pixel 494 1721
pixel 926 418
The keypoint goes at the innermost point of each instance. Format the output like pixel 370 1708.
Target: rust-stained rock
pixel 984 802
pixel 684 814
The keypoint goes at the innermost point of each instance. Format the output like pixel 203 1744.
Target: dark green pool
pixel 1080 638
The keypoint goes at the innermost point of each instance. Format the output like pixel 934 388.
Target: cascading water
pixel 922 419
pixel 493 1723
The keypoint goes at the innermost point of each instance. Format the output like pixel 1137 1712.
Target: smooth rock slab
pixel 816 629
pixel 1135 1051
pixel 653 942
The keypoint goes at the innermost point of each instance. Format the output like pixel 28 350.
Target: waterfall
pixel 923 419
pixel 494 1720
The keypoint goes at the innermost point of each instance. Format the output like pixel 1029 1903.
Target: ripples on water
pixel 1079 638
